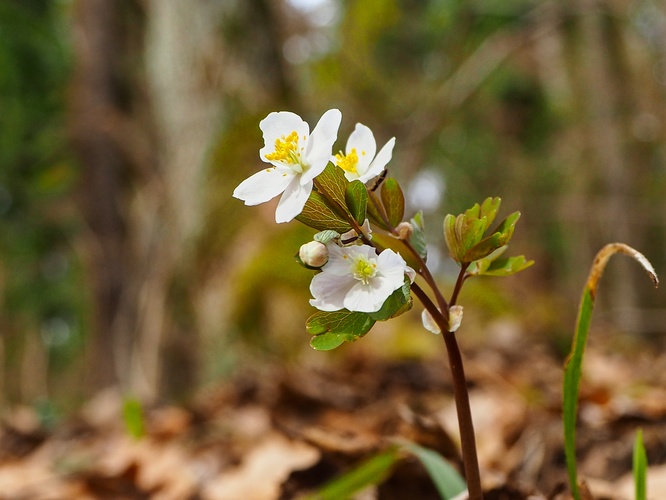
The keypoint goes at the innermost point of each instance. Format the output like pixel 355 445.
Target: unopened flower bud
pixel 313 254
pixel 405 230
pixel 455 317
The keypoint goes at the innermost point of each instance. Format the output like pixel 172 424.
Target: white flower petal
pixel 320 143
pixel 429 323
pixel 377 166
pixel 368 298
pixel 329 291
pixel 264 185
pixel 392 266
pixel 292 201
pixel 339 263
pixel 363 141
pixel 278 125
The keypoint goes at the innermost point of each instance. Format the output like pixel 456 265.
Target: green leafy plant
pixel 574 363
pixel 369 261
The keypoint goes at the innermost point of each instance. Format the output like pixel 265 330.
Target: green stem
pixel 461 395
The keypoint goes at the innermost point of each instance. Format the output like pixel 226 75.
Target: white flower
pixel 296 157
pixel 357 279
pixel 359 160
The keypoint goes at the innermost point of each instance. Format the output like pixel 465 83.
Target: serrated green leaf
pixel 326 236
pixel 318 214
pixel 356 197
pixel 472 213
pixel 395 303
pixel 393 200
pixel 472 232
pixel 337 327
pixel 417 239
pixel 333 184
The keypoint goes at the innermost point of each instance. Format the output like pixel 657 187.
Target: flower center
pixel 286 150
pixel 364 269
pixel 348 162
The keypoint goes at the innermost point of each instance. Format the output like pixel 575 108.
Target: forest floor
pixel 279 433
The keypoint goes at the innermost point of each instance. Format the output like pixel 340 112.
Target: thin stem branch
pixel 461 395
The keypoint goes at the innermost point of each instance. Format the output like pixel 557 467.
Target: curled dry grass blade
pixel 573 365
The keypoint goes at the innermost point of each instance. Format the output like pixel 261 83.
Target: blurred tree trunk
pixel 143 148
pixel 95 97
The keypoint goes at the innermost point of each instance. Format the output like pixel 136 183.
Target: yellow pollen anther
pixel 348 162
pixel 364 269
pixel 286 149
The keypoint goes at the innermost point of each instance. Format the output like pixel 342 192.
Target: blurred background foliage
pixel 125 126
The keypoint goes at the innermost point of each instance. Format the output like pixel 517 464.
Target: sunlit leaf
pixel 318 214
pixel 333 185
pixel 331 329
pixel 393 200
pixel 356 197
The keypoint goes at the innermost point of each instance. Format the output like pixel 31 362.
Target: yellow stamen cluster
pixel 286 149
pixel 364 269
pixel 348 162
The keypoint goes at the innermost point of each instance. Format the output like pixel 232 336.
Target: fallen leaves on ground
pixel 281 434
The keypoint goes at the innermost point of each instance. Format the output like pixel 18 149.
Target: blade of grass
pixel 573 365
pixel 372 471
pixel 448 482
pixel 640 467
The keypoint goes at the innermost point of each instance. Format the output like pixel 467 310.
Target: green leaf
pixel 453 242
pixel 417 239
pixel 328 341
pixel 331 329
pixel 483 248
pixel 448 482
pixel 397 303
pixel 356 197
pixel 372 471
pixel 507 267
pixel 317 213
pixel 326 236
pixel 133 418
pixel 573 367
pixel 393 200
pixel 374 209
pixel 640 464
pixel 332 184
pixel 489 209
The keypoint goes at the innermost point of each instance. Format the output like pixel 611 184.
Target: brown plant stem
pixel 461 395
